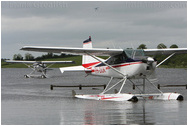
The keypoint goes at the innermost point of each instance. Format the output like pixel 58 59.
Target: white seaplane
pixel 38 66
pixel 125 64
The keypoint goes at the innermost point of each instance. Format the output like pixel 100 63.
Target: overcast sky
pixel 113 24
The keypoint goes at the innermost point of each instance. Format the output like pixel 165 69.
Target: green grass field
pixel 77 59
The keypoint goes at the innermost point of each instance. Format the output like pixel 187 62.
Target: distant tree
pixel 161 46
pixel 46 56
pixel 142 46
pixel 3 59
pixel 62 55
pixel 174 46
pixel 17 57
pixel 49 55
pixel 29 56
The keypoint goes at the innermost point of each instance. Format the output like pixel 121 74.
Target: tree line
pixel 30 57
pixel 160 46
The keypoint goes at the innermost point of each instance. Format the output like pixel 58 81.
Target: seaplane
pixel 38 66
pixel 124 64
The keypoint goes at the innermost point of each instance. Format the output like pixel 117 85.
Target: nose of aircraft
pixel 148 60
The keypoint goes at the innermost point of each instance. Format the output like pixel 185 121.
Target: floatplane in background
pixel 125 64
pixel 38 66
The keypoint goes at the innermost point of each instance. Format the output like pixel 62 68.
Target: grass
pixel 77 59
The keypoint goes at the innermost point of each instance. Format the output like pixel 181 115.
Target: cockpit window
pixel 134 53
pixel 121 58
pixel 128 55
pixel 117 59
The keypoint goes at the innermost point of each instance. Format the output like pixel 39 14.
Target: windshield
pixel 134 53
pixel 117 59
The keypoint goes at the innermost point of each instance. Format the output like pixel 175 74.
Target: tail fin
pixel 87 43
pixel 88 61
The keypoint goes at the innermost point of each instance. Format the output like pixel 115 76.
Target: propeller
pixel 150 61
pixel 151 65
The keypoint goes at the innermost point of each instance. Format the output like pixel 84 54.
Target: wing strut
pixel 165 59
pixel 122 85
pixel 107 64
pixel 124 79
pixel 107 85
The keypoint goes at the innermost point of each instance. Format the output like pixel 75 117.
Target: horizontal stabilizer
pixel 73 69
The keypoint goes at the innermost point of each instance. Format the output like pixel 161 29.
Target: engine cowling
pixel 151 62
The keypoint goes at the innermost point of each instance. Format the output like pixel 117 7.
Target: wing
pixel 165 51
pixel 57 62
pixel 74 69
pixel 75 51
pixel 18 61
pixel 45 62
pixel 99 51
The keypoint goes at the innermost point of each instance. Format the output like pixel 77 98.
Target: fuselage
pixel 136 69
pixel 39 67
pixel 131 63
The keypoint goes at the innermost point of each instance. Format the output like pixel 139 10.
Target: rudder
pixel 87 60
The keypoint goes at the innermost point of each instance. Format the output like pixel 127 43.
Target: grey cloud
pixel 69 23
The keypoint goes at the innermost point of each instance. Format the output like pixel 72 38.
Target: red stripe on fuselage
pixel 126 64
pixel 121 65
pixel 89 64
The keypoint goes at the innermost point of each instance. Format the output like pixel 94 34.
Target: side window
pixel 121 58
pixel 117 59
